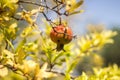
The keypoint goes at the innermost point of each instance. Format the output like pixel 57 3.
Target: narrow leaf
pixel 72 66
pixel 56 57
pixel 11 45
pixel 76 12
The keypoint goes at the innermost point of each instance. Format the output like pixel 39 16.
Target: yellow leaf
pixel 26 31
pixel 69 4
pixel 34 11
pixel 75 6
pixel 9 57
pixel 29 67
pixel 3 71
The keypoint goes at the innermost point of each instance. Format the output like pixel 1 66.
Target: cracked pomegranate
pixel 61 35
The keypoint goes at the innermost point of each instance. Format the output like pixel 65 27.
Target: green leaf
pixel 10 44
pixel 67 77
pixel 76 12
pixel 55 57
pixel 49 54
pixel 2 43
pixel 71 66
pixel 83 77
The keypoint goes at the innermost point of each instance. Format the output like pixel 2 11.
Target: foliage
pixel 108 73
pixel 27 53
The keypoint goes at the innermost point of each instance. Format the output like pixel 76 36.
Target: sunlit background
pixel 104 12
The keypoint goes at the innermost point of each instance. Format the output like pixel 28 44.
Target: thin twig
pixel 17 18
pixel 57 1
pixel 48 19
pixel 55 6
pixel 45 6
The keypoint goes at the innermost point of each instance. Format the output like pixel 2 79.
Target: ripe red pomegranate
pixel 61 35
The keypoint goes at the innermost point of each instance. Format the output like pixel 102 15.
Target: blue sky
pixel 105 12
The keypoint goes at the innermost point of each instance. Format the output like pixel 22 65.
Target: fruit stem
pixel 60 47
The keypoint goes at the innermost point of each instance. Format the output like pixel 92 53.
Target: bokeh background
pixel 104 12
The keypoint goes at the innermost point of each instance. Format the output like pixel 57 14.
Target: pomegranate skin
pixel 61 35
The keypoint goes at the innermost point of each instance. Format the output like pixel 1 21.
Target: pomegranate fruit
pixel 61 35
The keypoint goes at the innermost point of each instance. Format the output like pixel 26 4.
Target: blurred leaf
pixel 2 43
pixel 70 4
pixel 20 45
pixel 9 29
pixel 47 26
pixel 75 6
pixel 11 45
pixel 49 54
pixel 29 67
pixel 31 47
pixel 56 56
pixel 20 55
pixel 76 12
pixel 3 71
pixel 72 66
pixel 44 74
pixel 82 77
pixel 95 41
pixel 8 58
pixel 106 73
pixel 27 17
pixel 8 7
pixel 67 76
pixel 27 32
